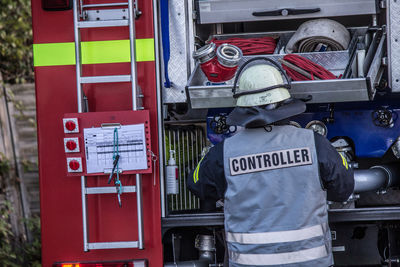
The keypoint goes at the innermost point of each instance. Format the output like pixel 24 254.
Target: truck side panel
pixel 61 206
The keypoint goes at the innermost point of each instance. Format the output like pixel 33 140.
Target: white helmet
pixel 260 84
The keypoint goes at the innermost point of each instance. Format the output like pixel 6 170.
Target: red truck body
pixel 56 95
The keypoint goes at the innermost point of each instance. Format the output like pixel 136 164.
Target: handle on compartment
pixel 286 12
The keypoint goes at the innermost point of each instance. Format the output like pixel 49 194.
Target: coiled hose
pixel 319 35
pixel 302 69
pixel 250 46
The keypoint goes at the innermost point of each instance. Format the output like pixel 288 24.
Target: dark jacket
pixel 208 182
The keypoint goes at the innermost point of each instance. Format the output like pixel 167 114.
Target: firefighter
pixel 275 178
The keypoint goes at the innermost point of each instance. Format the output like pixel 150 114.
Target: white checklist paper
pixel 100 145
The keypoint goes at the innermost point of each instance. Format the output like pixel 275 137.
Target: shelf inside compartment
pixel 350 87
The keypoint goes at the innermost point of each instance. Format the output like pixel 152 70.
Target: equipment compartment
pixel 223 11
pixel 350 87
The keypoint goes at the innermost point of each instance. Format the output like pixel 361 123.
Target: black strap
pixel 237 94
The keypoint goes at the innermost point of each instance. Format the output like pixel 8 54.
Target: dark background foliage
pixel 16 66
pixel 16 61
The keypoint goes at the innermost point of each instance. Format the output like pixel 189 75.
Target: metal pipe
pixel 187 194
pixel 180 170
pixel 139 211
pixel 77 57
pixel 84 214
pixel 171 197
pixel 80 110
pixel 132 38
pixel 206 246
pixel 368 180
pixel 378 177
pixel 297 69
pixel 202 144
pixel 193 144
pixel 198 263
pixel 183 170
pixel 176 195
pixel 161 140
pixel 197 161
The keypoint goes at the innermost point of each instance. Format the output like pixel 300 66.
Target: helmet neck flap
pixel 259 116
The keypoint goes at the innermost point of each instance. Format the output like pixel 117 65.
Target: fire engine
pixel 130 94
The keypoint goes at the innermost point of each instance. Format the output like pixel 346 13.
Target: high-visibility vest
pixel 275 207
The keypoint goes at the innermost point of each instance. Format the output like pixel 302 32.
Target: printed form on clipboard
pixel 101 144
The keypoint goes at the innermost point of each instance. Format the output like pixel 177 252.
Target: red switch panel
pixel 71 125
pixel 71 145
pixel 74 164
pixel 100 120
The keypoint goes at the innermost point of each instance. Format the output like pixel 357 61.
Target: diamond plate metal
pixel 394 44
pixel 203 95
pixel 178 63
pixel 322 91
pixel 335 62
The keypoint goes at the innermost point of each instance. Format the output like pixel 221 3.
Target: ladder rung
pixel 104 5
pixel 103 23
pixel 108 245
pixel 106 79
pixel 109 190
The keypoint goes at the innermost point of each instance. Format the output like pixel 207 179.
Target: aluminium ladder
pixel 82 20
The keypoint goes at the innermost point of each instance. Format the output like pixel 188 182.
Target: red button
pixel 71 145
pixel 74 165
pixel 70 125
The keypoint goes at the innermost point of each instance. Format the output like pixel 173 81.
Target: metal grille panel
pixel 188 143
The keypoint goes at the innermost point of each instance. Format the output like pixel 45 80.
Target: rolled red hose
pixel 251 46
pixel 307 65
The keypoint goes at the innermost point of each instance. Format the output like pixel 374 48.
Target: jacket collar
pixel 252 117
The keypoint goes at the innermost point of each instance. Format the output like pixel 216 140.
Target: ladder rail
pixel 77 57
pixel 139 211
pixel 80 110
pixel 133 10
pixel 84 214
pixel 132 38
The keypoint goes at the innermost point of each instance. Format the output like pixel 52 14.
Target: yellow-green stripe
pixel 94 52
pixel 196 171
pixel 345 164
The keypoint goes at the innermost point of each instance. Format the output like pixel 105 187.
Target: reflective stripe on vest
pixel 279 258
pixel 93 52
pixel 275 237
